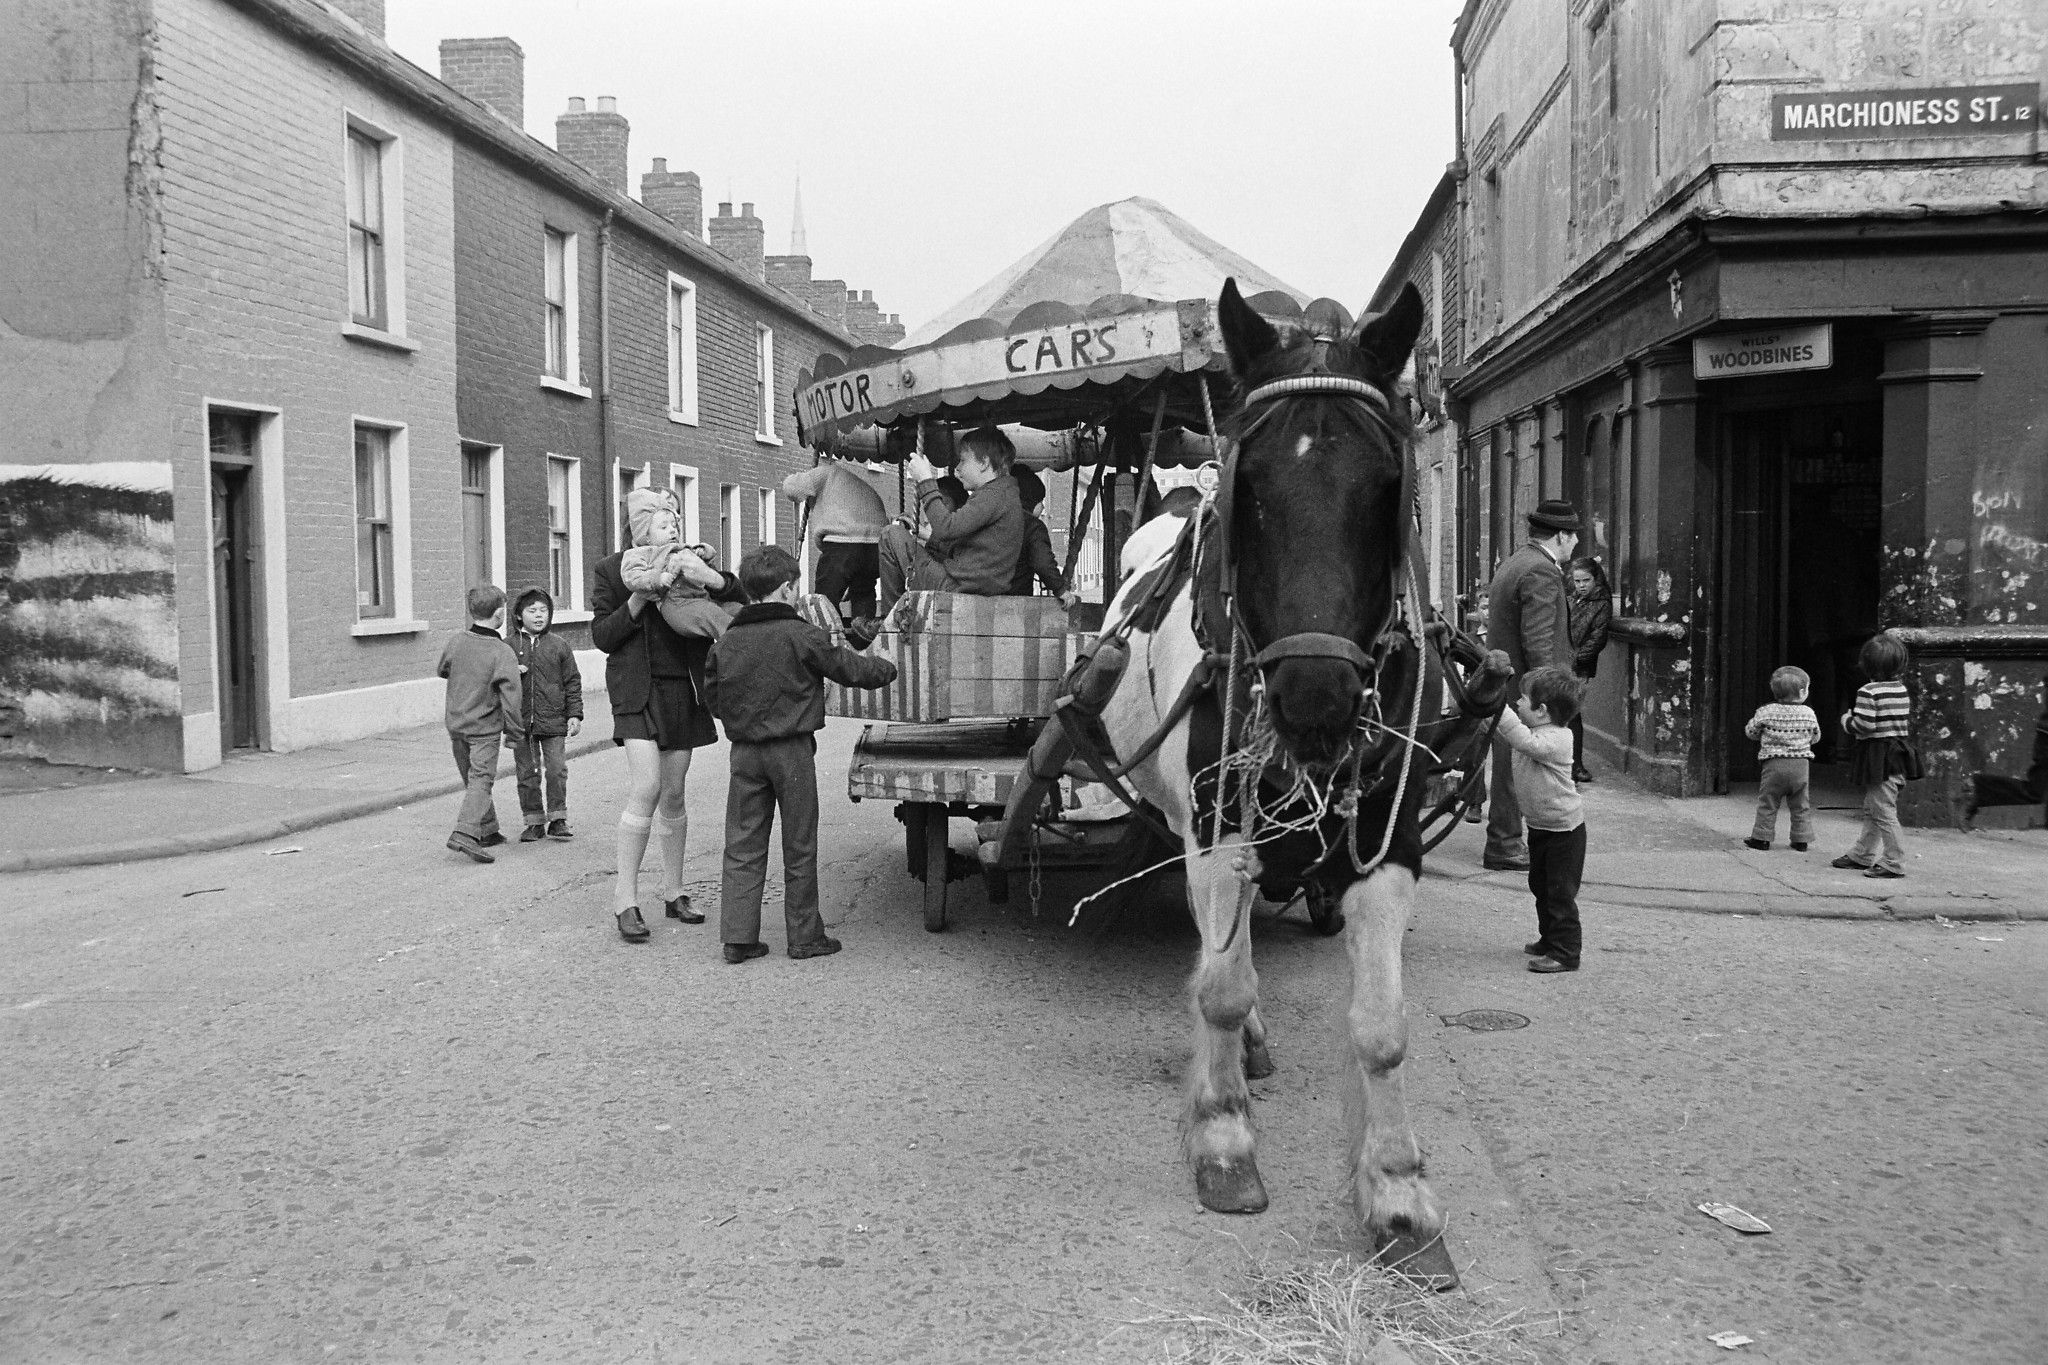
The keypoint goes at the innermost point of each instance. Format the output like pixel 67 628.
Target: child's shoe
pixel 1763 845
pixel 737 953
pixel 1547 964
pixel 531 835
pixel 824 947
pixel 1880 870
pixel 468 847
pixel 559 829
pixel 1798 848
pixel 679 908
pixel 1847 863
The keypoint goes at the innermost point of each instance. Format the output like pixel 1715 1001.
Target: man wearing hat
pixel 1526 617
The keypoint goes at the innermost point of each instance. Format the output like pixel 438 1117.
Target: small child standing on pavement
pixel 553 711
pixel 483 707
pixel 1881 723
pixel 1536 730
pixel 1786 731
pixel 766 680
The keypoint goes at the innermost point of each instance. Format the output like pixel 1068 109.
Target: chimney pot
pixel 661 165
pixel 575 104
pixel 746 210
pixel 607 104
pixel 725 208
pixel 867 296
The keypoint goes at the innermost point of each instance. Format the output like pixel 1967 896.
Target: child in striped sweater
pixel 1786 730
pixel 1881 723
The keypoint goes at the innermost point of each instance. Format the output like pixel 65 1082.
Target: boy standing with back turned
pixel 484 706
pixel 1540 743
pixel 1786 730
pixel 766 680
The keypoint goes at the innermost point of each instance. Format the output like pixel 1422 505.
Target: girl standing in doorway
pixel 1590 609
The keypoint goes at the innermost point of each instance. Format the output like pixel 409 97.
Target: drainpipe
pixel 604 373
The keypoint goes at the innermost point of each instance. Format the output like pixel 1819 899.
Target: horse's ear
pixel 1248 337
pixel 1387 338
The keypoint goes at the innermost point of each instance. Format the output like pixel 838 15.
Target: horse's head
pixel 1316 505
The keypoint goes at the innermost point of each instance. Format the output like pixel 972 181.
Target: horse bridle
pixel 1311 644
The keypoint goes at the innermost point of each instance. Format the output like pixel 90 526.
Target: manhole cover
pixel 1487 1021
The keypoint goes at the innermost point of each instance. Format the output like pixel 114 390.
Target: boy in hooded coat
pixel 554 712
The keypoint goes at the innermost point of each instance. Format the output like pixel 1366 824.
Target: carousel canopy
pixel 1136 248
pixel 1116 311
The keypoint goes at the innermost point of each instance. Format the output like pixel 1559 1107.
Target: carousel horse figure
pixel 1276 723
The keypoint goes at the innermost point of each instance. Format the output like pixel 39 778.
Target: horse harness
pixel 1203 557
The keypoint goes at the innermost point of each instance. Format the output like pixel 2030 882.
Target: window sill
pixel 371 336
pixel 385 625
pixel 572 618
pixel 682 419
pixel 548 381
pixel 761 440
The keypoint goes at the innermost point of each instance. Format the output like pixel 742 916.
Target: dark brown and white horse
pixel 1297 779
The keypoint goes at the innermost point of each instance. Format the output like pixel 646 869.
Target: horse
pixel 1274 726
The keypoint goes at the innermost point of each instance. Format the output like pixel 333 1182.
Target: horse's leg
pixel 1387 1183
pixel 1225 994
pixel 1258 1062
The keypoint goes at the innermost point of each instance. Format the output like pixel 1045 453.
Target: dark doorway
pixel 232 445
pixel 1800 565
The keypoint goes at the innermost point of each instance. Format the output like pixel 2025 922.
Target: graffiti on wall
pixel 88 622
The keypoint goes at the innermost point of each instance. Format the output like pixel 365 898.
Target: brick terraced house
pixel 299 341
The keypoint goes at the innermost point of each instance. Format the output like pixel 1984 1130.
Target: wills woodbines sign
pixel 1858 115
pixel 1773 350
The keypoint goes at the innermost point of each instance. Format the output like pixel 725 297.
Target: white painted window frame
pixel 686 482
pixel 680 319
pixel 764 509
pixel 764 385
pixel 575 609
pixel 495 492
pixel 570 381
pixel 391 184
pixel 399 452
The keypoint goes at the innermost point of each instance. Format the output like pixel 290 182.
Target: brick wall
pixel 256 298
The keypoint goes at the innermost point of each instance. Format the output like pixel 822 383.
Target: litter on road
pixel 1735 1218
pixel 1728 1341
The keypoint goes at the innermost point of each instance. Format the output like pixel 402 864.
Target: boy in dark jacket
pixel 554 713
pixel 766 680
pixel 483 707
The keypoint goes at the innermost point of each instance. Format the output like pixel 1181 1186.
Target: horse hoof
pixel 1230 1186
pixel 1423 1262
pixel 1258 1061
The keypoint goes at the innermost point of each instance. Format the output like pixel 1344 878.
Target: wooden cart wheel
pixel 935 865
pixel 1322 909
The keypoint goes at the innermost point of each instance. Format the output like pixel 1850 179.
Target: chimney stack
pixel 790 272
pixel 676 195
pixel 595 139
pixel 491 71
pixel 369 14
pixel 742 238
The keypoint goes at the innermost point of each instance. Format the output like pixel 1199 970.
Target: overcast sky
pixel 938 142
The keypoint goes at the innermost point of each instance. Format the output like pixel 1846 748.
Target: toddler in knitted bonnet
pixel 656 564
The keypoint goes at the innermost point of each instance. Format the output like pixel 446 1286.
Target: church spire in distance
pixel 797 245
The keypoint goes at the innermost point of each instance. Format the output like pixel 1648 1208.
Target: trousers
pixel 1881 827
pixel 778 774
pixel 847 569
pixel 1784 781
pixel 541 759
pixel 1503 811
pixel 476 763
pixel 906 566
pixel 1557 864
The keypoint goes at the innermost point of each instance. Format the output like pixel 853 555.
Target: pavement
pixel 1643 849
pixel 60 815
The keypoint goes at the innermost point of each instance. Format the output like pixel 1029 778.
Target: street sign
pixel 1863 115
pixel 1775 350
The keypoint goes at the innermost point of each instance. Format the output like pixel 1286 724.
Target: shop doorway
pixel 1800 559
pixel 231 441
